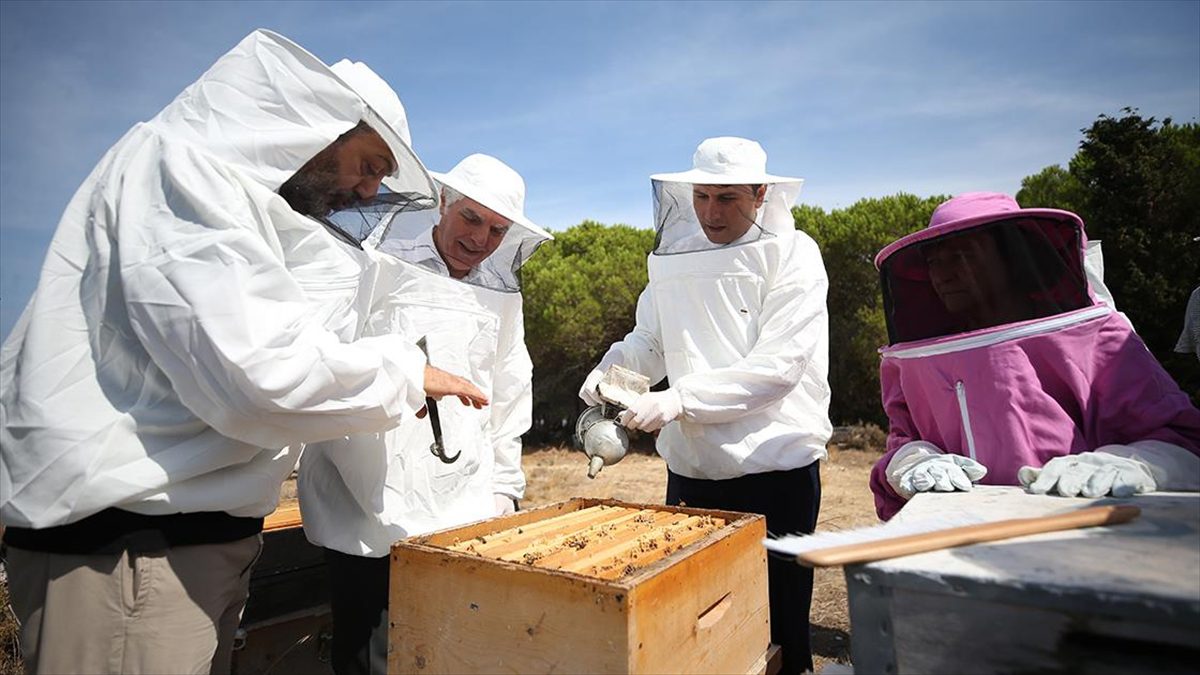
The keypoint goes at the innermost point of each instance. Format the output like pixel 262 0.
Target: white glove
pixel 505 504
pixel 652 411
pixel 1090 474
pixel 588 391
pixel 919 466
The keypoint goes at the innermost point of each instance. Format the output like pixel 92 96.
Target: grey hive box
pixel 1117 599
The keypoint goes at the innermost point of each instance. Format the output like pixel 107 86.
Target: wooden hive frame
pixel 512 595
pixel 605 541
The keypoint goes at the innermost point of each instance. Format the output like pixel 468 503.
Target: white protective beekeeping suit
pixel 188 325
pixel 360 494
pixel 740 330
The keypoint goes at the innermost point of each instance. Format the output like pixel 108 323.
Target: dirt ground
pixel 555 474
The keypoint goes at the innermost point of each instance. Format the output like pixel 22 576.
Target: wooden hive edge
pixel 436 543
pixel 737 521
pixel 463 557
pixel 545 530
pixel 285 515
pixel 444 538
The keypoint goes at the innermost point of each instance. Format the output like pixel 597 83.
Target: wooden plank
pixel 655 557
pixel 446 538
pixel 605 549
pixel 498 546
pixel 626 549
pixel 707 611
pixel 600 537
pixel 562 541
pixel 769 663
pixel 607 556
pixel 509 535
pixel 640 552
pixel 456 613
pixel 659 522
pixel 639 557
pixel 895 547
pixel 287 514
pixel 732 519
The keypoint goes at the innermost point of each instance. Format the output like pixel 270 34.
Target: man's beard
pixel 313 190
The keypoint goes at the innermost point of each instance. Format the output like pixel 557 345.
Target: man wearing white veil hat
pixel 734 317
pixel 170 360
pixel 454 284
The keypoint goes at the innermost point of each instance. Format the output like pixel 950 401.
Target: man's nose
pixel 479 235
pixel 368 187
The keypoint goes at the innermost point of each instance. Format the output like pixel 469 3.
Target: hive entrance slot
pixel 713 614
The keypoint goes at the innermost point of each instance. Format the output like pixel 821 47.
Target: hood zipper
pixel 999 336
pixel 961 391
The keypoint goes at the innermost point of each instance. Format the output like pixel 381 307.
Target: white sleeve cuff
pixel 1174 468
pixel 406 366
pixel 906 457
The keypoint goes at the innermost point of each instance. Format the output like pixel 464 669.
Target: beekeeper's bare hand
pixel 439 383
pixel 652 411
pixel 1089 474
pixel 588 391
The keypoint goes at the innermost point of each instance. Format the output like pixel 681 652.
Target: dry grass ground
pixel 10 661
pixel 555 474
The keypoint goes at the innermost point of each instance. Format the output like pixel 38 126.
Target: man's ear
pixel 760 195
pixel 442 203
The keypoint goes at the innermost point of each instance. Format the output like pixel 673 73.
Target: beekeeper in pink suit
pixel 1003 368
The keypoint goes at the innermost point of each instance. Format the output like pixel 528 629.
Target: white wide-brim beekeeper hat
pixel 494 185
pixel 382 100
pixel 727 160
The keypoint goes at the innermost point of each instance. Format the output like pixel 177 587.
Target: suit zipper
pixel 961 390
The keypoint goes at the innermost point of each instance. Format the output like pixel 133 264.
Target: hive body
pixel 585 585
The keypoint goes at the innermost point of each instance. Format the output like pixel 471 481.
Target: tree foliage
pixel 849 239
pixel 580 293
pixel 1136 184
pixel 1052 187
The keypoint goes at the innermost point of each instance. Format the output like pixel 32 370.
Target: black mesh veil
pixel 678 227
pixel 356 223
pixel 999 273
pixel 408 235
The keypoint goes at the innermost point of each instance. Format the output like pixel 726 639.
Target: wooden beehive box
pixel 585 585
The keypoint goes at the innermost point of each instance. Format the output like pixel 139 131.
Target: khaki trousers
pixel 168 611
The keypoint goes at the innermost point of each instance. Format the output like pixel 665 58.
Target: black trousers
pixel 358 598
pixel 790 501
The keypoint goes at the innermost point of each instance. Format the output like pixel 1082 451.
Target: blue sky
pixel 587 99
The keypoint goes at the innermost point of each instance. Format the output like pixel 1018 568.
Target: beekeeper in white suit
pixel 195 319
pixel 734 317
pixel 454 283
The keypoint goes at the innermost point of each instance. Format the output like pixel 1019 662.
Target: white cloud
pixel 587 100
